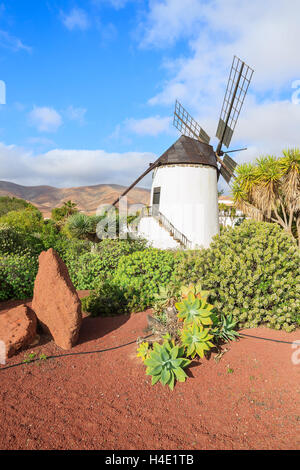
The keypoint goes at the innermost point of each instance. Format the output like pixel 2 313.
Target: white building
pixel 183 208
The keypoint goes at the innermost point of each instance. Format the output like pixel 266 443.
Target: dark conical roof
pixel 189 151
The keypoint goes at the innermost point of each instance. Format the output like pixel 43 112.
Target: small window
pixel 155 200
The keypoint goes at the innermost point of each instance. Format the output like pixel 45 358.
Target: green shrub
pixel 252 272
pixel 28 220
pixel 17 275
pixel 144 272
pixel 89 263
pixel 8 204
pixel 108 299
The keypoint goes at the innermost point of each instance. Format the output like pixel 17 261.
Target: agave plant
pixel 196 340
pixel 143 350
pixel 194 310
pixel 225 328
pixel 195 289
pixel 166 363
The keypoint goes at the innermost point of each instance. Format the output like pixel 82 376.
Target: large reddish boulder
pixel 55 300
pixel 17 329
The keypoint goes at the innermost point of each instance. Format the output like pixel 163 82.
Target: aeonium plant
pixel 166 362
pixel 196 340
pixel 194 310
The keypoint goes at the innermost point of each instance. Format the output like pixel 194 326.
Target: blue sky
pixel 91 84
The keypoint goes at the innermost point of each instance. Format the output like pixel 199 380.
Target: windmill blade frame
pixel 187 125
pixel 236 90
pixel 227 168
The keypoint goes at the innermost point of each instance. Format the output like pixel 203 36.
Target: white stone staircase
pixel 156 228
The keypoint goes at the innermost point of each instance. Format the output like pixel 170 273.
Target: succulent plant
pixel 195 289
pixel 194 310
pixel 143 350
pixel 196 340
pixel 166 363
pixel 225 328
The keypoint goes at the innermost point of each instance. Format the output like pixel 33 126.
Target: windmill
pixel 184 195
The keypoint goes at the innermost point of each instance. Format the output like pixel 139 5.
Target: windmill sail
pixel 187 125
pixel 227 168
pixel 237 87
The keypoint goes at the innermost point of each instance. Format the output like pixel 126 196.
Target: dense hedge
pixel 17 275
pixel 144 272
pixel 87 263
pixel 253 272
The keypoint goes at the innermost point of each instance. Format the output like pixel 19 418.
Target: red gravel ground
pixel 247 400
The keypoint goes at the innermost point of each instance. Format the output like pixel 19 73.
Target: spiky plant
pixel 225 328
pixel 270 190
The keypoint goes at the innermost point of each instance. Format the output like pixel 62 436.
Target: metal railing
pixel 149 211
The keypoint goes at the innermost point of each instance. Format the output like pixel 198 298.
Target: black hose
pixel 73 354
pixel 267 339
pixel 122 346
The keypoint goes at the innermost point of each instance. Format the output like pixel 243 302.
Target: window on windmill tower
pixel 156 196
pixel 155 200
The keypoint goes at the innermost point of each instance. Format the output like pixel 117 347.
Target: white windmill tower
pixel 184 194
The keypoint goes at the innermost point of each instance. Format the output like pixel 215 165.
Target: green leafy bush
pixel 17 275
pixel 144 272
pixel 106 300
pixel 252 272
pixel 89 263
pixel 28 220
pixel 8 204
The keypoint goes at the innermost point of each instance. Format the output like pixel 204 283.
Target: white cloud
pixel 75 114
pixel 264 34
pixel 8 41
pixel 67 168
pixel 268 128
pixel 45 119
pixel 75 19
pixel 153 125
pixel 168 20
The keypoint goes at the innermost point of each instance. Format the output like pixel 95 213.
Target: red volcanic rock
pixel 17 328
pixel 55 300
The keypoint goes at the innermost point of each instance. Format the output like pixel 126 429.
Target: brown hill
pixel 87 198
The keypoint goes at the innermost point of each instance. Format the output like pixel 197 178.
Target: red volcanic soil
pixel 247 400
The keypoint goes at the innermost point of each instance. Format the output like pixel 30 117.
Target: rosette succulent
pixel 196 340
pixel 194 310
pixel 166 363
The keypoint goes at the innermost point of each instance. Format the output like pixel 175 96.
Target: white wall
pixel 150 229
pixel 189 199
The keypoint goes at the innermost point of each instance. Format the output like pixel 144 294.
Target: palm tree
pixel 69 208
pixel 269 190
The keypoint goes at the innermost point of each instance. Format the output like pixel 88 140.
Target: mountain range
pixel 87 198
